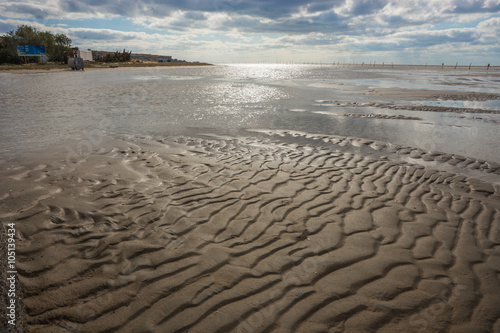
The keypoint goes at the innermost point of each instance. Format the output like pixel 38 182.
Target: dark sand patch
pixel 416 94
pixel 428 108
pixel 368 115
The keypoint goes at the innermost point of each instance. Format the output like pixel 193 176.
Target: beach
pixel 254 198
pixel 52 67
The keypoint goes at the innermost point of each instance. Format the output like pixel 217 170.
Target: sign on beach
pixel 31 50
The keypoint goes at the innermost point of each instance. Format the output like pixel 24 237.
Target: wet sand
pixel 271 231
pixel 425 94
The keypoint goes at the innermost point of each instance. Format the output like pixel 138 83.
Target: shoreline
pixel 65 68
pixel 449 70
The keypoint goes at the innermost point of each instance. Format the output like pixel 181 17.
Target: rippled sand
pixel 275 232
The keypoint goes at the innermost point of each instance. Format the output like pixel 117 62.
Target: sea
pixel 38 110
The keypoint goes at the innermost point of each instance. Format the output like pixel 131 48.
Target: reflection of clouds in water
pixel 447 128
pixel 159 101
pixel 486 105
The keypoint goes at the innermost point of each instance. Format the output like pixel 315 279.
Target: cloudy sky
pixel 399 31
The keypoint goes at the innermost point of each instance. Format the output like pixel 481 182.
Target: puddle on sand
pixel 485 105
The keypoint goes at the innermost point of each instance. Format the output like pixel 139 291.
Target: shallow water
pixel 41 109
pixel 485 105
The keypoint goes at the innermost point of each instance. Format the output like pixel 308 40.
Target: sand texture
pixel 306 234
pixel 414 94
pixel 426 108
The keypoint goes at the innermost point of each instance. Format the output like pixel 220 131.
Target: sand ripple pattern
pixel 252 235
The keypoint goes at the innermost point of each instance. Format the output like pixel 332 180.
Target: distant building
pixel 151 57
pixel 85 55
pixel 99 54
pixel 137 56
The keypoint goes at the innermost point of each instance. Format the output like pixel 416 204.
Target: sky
pixel 218 31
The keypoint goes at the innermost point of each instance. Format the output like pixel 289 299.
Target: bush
pixel 116 57
pixel 56 46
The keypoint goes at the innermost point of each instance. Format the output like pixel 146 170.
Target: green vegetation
pixel 116 57
pixel 56 46
pixel 58 49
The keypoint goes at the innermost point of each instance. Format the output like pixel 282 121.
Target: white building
pixel 85 55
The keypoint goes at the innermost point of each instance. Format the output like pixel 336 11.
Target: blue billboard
pixel 31 50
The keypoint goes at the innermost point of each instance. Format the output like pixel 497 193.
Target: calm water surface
pixel 41 109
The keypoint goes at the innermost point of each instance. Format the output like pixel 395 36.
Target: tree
pixel 116 57
pixel 55 45
pixel 27 35
pixel 8 51
pixel 62 45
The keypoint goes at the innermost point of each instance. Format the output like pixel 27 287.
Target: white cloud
pixel 215 30
pixel 29 9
